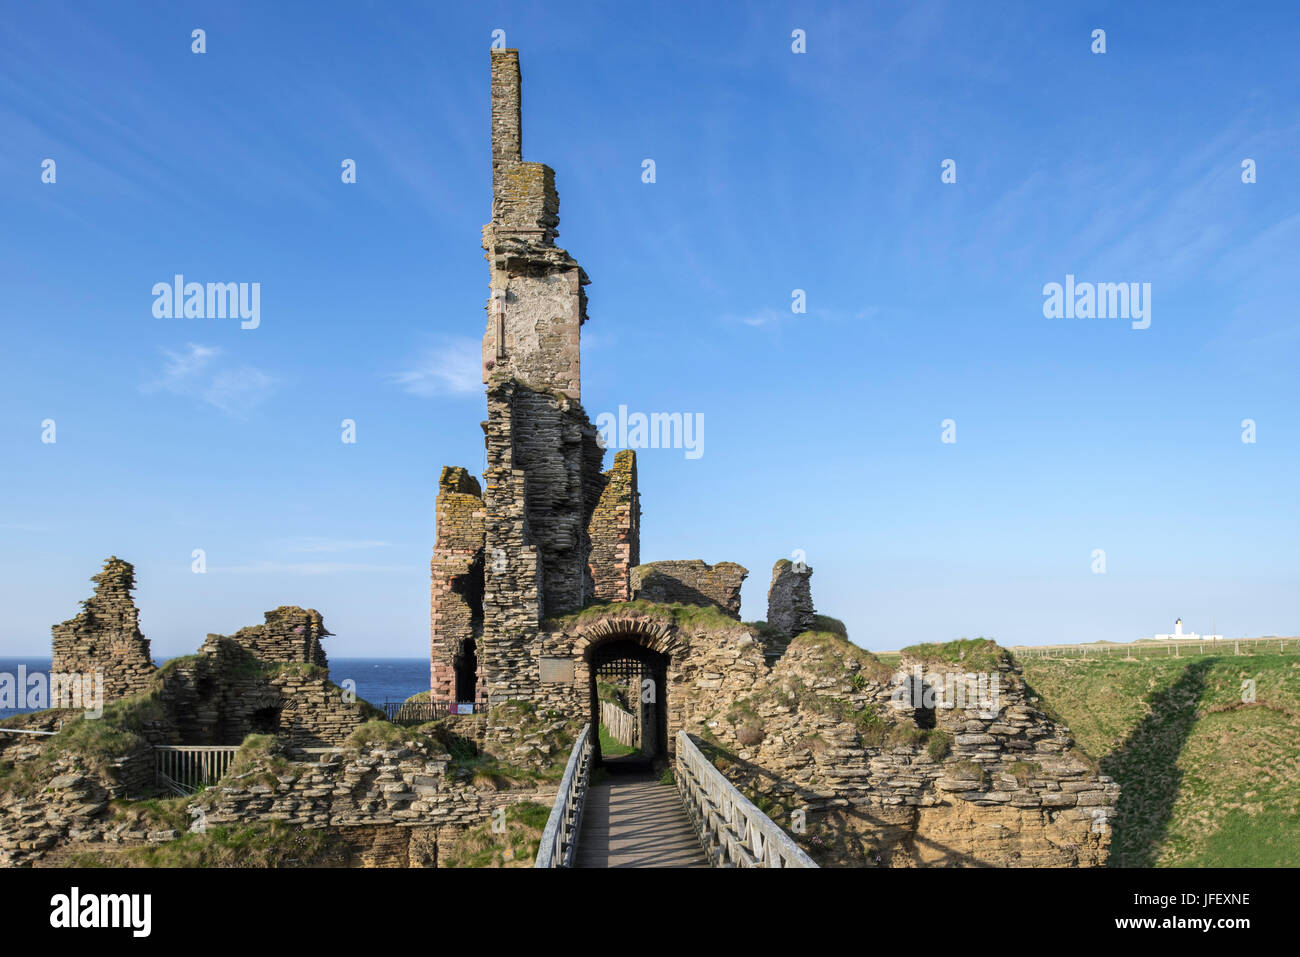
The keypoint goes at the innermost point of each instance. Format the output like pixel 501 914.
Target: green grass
pixel 972 654
pixel 515 846
pixel 614 694
pixel 95 741
pixel 939 744
pixel 157 814
pixel 611 747
pixel 252 845
pixel 826 623
pixel 686 616
pixel 1243 839
pixel 1206 780
pixel 382 734
pixel 838 655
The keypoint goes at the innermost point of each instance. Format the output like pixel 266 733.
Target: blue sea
pixel 378 679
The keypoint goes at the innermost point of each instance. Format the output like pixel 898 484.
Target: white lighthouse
pixel 1180 635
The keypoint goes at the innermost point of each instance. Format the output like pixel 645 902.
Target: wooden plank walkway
pixel 637 822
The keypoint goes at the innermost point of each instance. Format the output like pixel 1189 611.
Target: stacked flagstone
pixel 105 638
pixel 690 582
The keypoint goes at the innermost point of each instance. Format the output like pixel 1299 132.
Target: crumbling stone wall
pixel 538 304
pixel 105 636
pixel 615 531
pixel 830 732
pixel 271 678
pixel 542 483
pixel 690 582
pixel 267 679
pixel 522 199
pixel 289 634
pixel 708 656
pixel 789 599
pixel 402 789
pixel 405 785
pixel 456 583
pixel 543 477
pixel 224 693
pixel 543 480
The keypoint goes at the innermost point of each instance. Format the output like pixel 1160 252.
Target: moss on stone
pixel 259 760
pixel 155 814
pixel 838 652
pixel 378 733
pixel 764 630
pixel 939 744
pixel 684 616
pixel 251 845
pixel 972 654
pixel 117 732
pixel 827 623
pixel 1024 771
pixel 972 771
pixel 515 847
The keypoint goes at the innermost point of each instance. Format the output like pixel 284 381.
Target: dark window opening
pixel 465 665
pixel 923 716
pixel 266 721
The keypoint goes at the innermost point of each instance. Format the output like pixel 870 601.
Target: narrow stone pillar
pixel 789 598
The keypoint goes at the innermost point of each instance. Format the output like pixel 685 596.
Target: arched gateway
pixel 636 656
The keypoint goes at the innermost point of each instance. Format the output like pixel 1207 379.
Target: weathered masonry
pixel 538 596
pixel 548 531
pixel 271 678
pixel 549 534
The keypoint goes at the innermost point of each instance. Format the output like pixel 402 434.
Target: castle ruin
pixel 538 596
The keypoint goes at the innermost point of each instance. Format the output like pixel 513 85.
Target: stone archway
pixel 641 645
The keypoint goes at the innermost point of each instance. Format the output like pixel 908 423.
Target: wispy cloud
pixel 197 371
pixel 451 368
pixel 769 316
pixel 760 317
pixel 306 568
pixel 312 544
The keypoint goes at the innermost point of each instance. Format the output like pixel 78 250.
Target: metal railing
pixel 561 833
pixel 184 769
pixel 734 832
pixel 418 712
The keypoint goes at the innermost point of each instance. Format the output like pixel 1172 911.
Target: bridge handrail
pixel 735 833
pixel 558 839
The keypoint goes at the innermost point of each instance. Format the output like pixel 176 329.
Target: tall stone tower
pixel 520 550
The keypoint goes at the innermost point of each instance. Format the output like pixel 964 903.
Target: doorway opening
pixel 629 706
pixel 465 666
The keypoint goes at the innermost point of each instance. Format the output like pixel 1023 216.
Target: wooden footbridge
pixel 700 821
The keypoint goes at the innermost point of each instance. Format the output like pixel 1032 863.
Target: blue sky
pixel 775 171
